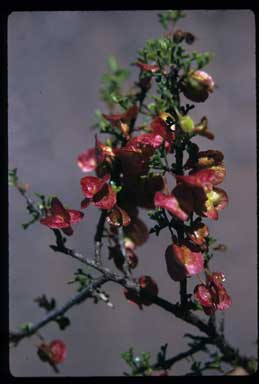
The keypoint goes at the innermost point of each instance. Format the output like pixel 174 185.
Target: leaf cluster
pixel 50 305
pixel 197 367
pixel 140 365
pixel 112 83
pixel 37 208
pixel 82 278
pixel 170 17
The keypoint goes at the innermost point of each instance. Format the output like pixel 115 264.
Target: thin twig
pixel 183 291
pixel 125 266
pixel 167 364
pixel 30 202
pixel 98 236
pixel 77 299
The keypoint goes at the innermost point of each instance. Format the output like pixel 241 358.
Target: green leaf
pixel 26 327
pixel 12 177
pixel 114 98
pixel 112 63
pixel 112 83
pixel 32 221
pixel 128 357
pixel 45 303
pixel 253 365
pixel 115 188
pixel 63 322
pixel 81 277
pixel 39 195
pixel 170 16
pixel 196 306
pixel 145 359
pixel 161 356
pixel 214 364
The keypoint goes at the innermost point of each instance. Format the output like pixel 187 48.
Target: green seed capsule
pixel 186 123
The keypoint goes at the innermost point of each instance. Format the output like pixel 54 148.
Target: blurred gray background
pixel 55 61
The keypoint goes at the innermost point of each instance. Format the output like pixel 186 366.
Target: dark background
pixel 55 61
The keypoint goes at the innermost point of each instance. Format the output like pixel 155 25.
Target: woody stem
pixel 98 236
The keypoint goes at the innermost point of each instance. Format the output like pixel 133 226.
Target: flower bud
pixel 137 231
pixel 203 130
pixel 58 351
pixel 189 38
pixel 54 352
pixel 197 86
pixel 186 123
pixel 178 36
pixel 147 284
pixel 116 255
pixel 183 259
pixel 87 160
pixel 118 217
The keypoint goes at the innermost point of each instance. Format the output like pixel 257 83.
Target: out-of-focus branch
pixel 168 363
pixel 15 337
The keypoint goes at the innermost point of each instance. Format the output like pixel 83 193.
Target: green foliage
pixel 161 356
pixel 211 240
pixel 105 126
pixel 213 245
pixel 140 365
pixel 13 180
pixel 116 188
pixel 100 122
pixel 165 53
pixel 37 208
pixel 128 357
pixel 26 327
pixel 159 161
pixel 47 304
pixel 197 367
pixel 201 59
pixel 63 322
pixel 50 305
pixel 158 105
pixel 158 215
pixel 158 50
pixel 34 208
pixel 195 306
pixel 34 219
pixel 45 201
pixel 12 177
pixel 174 65
pixel 82 278
pixel 171 16
pixel 112 83
pixel 253 365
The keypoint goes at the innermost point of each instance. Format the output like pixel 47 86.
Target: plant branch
pixel 125 266
pixel 140 97
pixel 15 337
pixel 230 354
pixel 99 235
pixel 167 364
